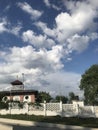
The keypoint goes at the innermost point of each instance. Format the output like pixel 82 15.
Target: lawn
pixel 86 122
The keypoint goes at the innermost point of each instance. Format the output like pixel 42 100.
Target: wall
pixel 53 109
pixel 22 98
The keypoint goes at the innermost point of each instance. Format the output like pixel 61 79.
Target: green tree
pixel 42 96
pixel 72 96
pixel 61 98
pixel 89 83
pixel 1 96
pixel 3 103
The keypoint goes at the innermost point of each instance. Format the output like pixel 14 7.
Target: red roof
pixel 16 82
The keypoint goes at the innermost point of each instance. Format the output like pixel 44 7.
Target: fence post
pixel 61 108
pixel 45 108
pixel 93 111
pixel 10 108
pixel 77 109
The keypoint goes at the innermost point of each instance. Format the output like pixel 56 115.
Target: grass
pixel 86 122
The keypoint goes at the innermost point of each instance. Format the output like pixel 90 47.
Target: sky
pixel 47 43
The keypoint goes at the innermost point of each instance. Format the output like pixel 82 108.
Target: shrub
pixel 3 105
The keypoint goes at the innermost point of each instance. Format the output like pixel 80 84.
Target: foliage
pixel 21 104
pixel 89 83
pixel 61 98
pixel 1 96
pixel 5 98
pixel 3 105
pixel 72 96
pixel 42 96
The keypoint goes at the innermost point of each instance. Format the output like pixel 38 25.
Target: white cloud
pixel 39 41
pixel 3 24
pixel 78 22
pixel 71 27
pixel 27 58
pixel 47 3
pixel 35 14
pixel 43 65
pixel 55 56
pixel 93 35
pixel 94 3
pixel 15 30
pixel 45 29
pixel 55 7
pixel 51 5
pixel 34 64
pixel 75 28
pixel 45 60
pixel 78 43
pixel 56 83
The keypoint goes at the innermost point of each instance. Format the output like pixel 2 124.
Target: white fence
pixel 53 109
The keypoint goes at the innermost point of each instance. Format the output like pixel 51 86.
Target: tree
pixel 72 96
pixel 1 96
pixel 42 96
pixel 3 101
pixel 89 83
pixel 61 98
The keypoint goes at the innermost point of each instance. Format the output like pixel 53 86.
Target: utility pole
pixel 23 79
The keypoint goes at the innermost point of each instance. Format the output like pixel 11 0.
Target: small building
pixel 18 93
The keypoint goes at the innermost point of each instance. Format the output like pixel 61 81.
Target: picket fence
pixel 53 109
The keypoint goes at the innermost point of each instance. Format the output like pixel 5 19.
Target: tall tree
pixel 89 83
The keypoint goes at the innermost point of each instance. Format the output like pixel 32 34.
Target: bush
pixel 3 105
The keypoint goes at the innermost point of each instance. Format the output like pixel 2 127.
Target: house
pixel 18 93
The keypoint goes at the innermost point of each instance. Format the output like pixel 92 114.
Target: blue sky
pixel 52 42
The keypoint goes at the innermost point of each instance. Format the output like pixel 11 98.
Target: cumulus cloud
pixel 70 27
pixel 41 70
pixel 38 41
pixel 93 35
pixel 17 59
pixel 36 65
pixel 43 26
pixel 78 43
pixel 35 14
pixel 41 60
